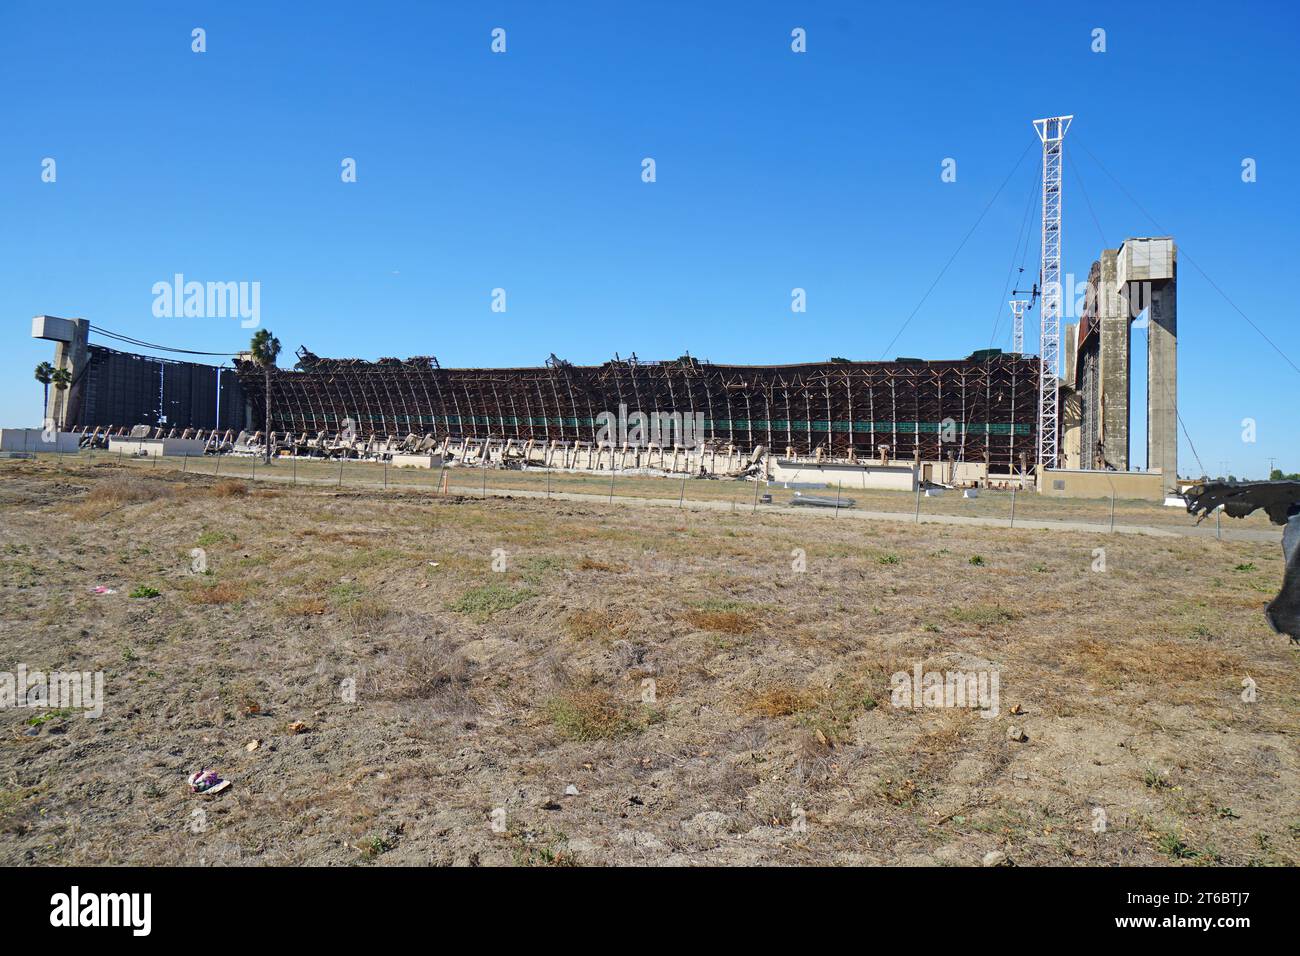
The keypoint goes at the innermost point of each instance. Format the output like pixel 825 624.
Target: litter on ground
pixel 207 781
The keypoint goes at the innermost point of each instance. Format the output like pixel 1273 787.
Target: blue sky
pixel 522 171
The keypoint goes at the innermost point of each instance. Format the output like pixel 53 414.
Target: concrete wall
pixel 417 461
pixel 1069 483
pixel 31 440
pixel 894 477
pixel 154 447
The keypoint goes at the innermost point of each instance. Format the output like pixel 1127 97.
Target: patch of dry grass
pixel 127 491
pixel 365 612
pixel 723 621
pixel 220 592
pixel 593 714
pixel 780 700
pixel 828 711
pixel 610 567
pixel 229 488
pixel 430 674
pixel 983 615
pixel 591 623
pixel 1119 661
pixel 115 493
pixel 304 606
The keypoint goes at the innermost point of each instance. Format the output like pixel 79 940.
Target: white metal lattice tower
pixel 1051 131
pixel 1018 325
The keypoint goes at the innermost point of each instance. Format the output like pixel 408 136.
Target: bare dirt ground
pixel 482 695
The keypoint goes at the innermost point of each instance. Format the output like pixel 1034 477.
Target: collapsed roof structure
pixel 980 409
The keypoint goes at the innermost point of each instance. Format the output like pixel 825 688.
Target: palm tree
pixel 44 375
pixel 61 378
pixel 266 349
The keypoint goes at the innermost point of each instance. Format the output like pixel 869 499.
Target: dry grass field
pixel 475 482
pixel 412 705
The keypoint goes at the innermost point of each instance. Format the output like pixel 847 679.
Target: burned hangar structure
pixel 976 409
pixel 988 417
pixel 979 410
pixel 971 420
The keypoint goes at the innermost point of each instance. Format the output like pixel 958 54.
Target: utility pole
pixel 1051 131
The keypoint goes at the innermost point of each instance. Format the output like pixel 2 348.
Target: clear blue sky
pixel 522 171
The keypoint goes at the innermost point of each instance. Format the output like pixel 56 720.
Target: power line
pixel 959 248
pixel 152 345
pixel 1015 254
pixel 1079 179
pixel 1164 386
pixel 1286 358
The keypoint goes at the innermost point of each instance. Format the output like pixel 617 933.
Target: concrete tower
pixel 1140 277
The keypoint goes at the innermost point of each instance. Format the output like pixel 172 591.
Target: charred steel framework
pixel 979 409
pixel 124 388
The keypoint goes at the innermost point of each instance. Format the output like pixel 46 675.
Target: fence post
pixel 918 499
pixel 682 497
pixel 1112 512
pixel 441 472
pixel 385 474
pixel 1218 522
pixel 295 469
pixel 756 483
pixel 340 484
pixel 185 462
pixel 837 499
pixel 1013 506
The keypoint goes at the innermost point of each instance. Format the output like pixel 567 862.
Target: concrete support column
pixel 1162 381
pixel 1114 361
pixel 1147 278
pixel 71 353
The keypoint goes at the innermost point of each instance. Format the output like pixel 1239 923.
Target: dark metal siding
pixel 125 389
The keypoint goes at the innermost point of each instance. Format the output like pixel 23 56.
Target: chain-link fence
pixel 1012 508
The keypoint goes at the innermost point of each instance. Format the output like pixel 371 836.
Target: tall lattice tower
pixel 1018 307
pixel 1052 132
